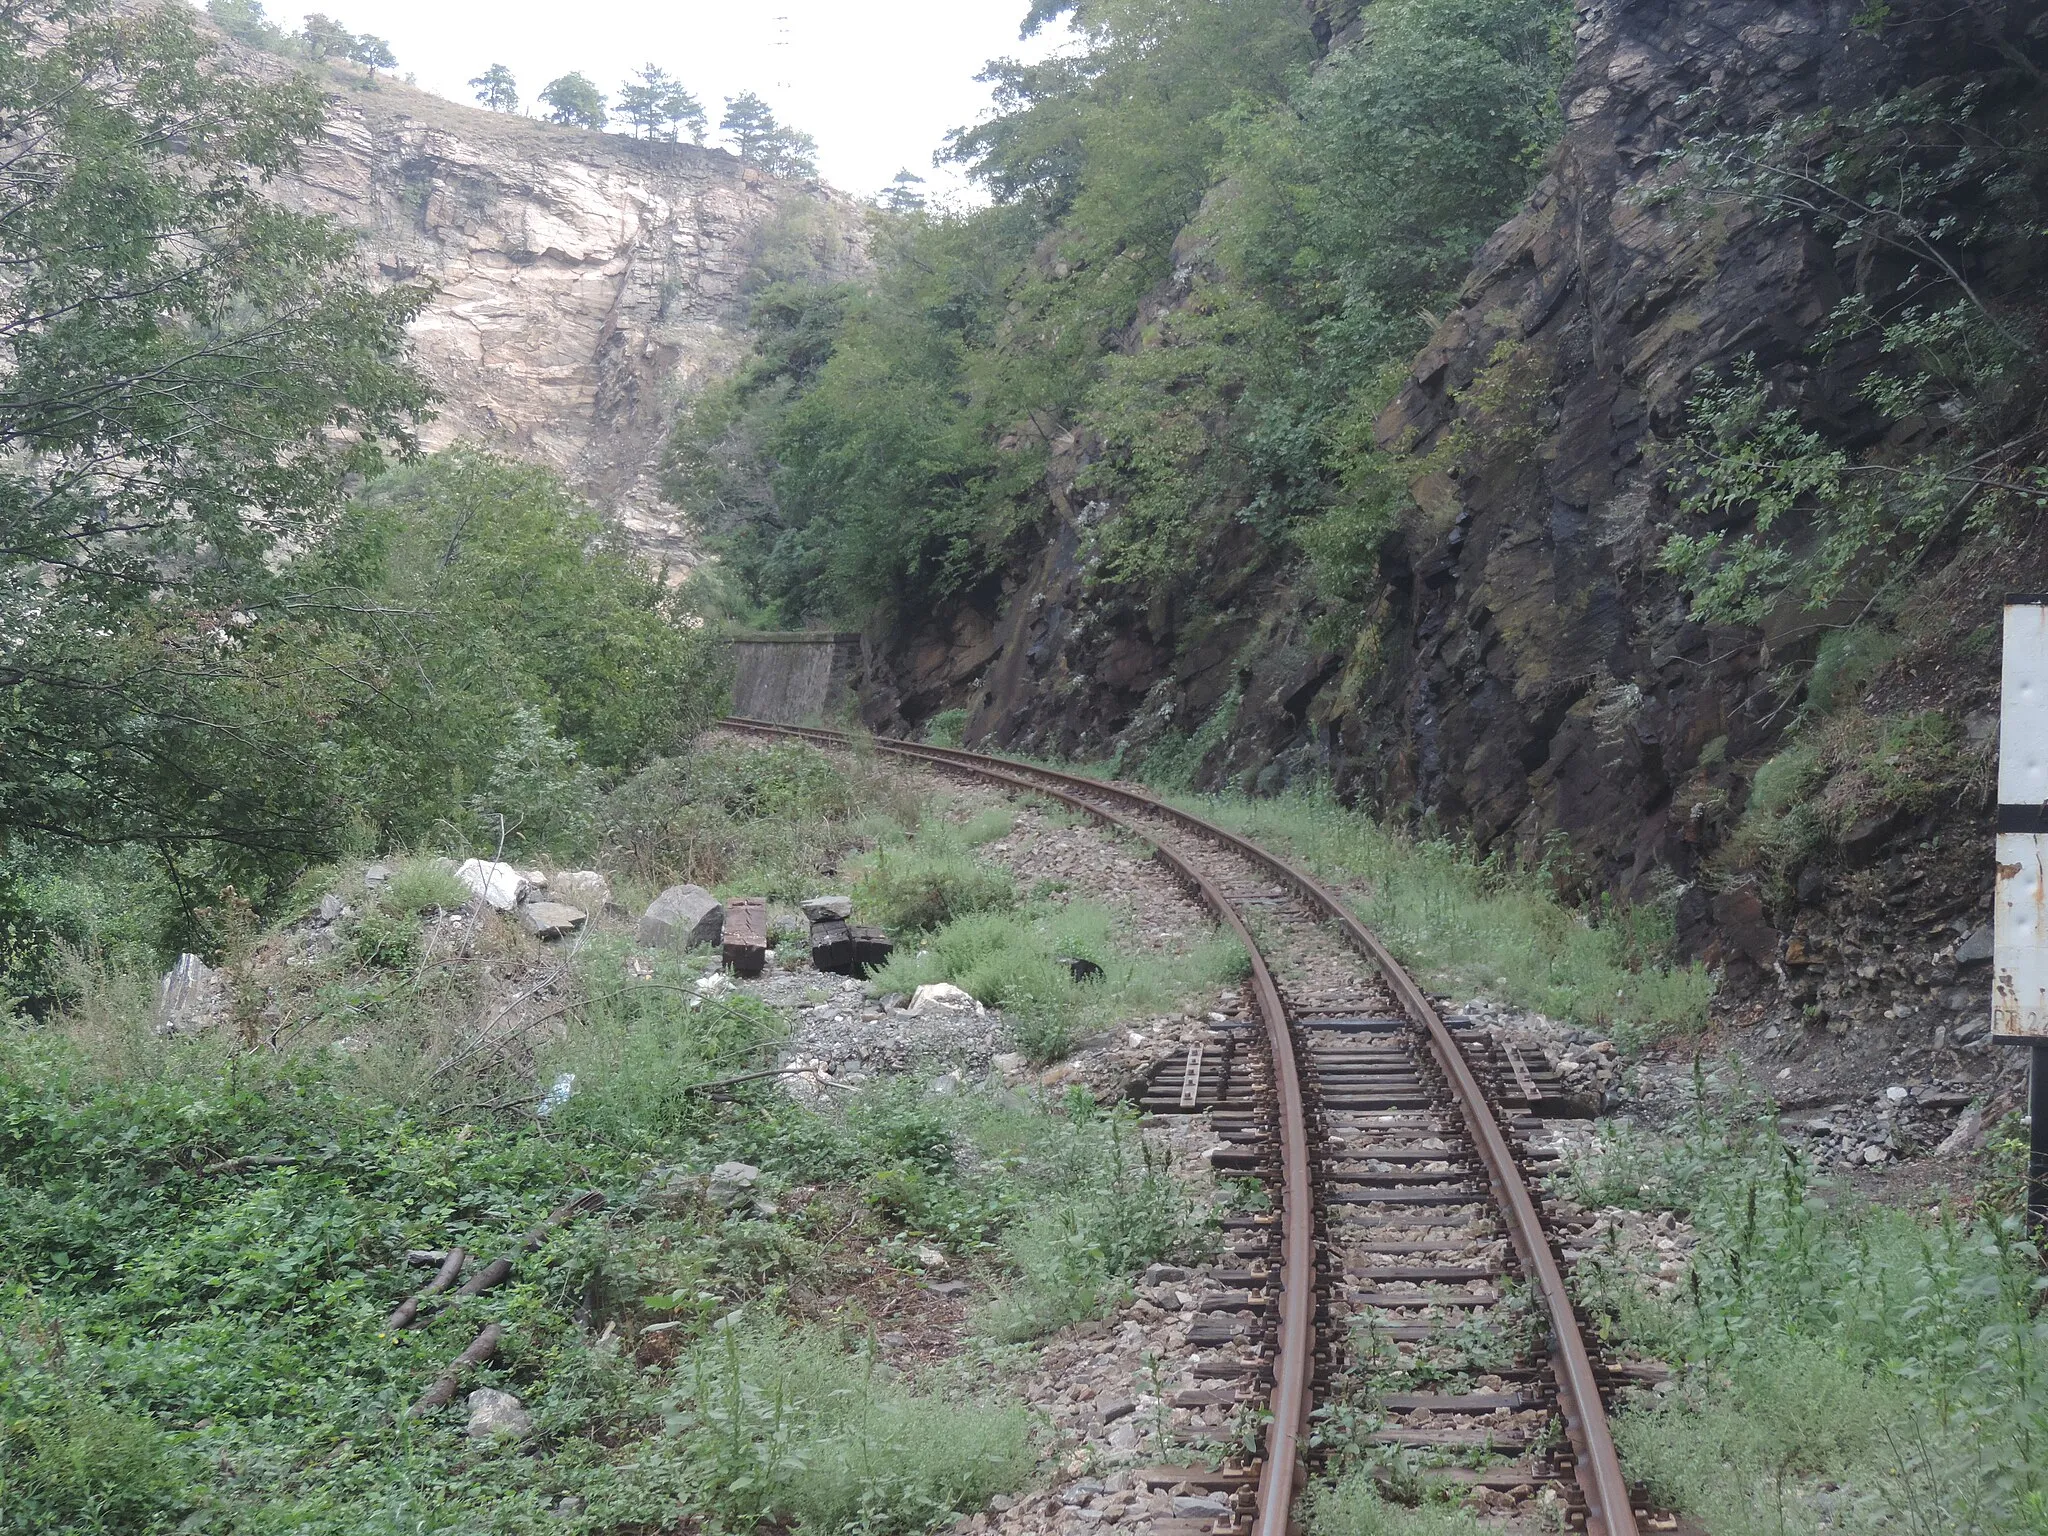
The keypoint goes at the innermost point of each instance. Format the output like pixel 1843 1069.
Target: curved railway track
pixel 1406 1225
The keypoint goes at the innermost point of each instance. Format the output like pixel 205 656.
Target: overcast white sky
pixel 876 82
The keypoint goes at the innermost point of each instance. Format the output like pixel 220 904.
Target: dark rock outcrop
pixel 1529 670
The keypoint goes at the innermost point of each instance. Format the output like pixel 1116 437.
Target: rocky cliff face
pixel 583 281
pixel 1528 670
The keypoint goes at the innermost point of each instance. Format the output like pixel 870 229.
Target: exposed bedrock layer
pixel 583 281
pixel 1529 670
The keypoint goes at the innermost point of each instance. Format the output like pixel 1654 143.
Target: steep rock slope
pixel 583 280
pixel 1528 669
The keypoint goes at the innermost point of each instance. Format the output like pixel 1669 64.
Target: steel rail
pixel 1597 1466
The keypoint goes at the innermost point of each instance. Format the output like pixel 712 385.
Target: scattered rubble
pixel 551 919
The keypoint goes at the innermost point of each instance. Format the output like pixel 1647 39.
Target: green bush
pixel 772 819
pixel 1846 1367
pixel 72 1462
pixel 929 884
pixel 946 728
pixel 785 1426
pixel 424 885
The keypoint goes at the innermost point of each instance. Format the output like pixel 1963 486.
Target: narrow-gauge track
pixel 1407 1239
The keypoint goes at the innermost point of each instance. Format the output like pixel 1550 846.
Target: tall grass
pixel 1471 925
pixel 1849 1367
pixel 785 1426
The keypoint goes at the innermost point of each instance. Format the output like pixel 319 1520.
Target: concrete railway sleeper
pixel 1406 1241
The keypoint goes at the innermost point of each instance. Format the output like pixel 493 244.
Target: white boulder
pixel 493 1413
pixel 500 885
pixel 189 998
pixel 942 997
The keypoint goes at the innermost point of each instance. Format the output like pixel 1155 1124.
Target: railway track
pixel 1406 1246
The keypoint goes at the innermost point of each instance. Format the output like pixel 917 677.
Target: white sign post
pixel 2019 970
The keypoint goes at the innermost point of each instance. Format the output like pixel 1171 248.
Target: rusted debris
pixel 832 946
pixel 744 943
pixel 442 1392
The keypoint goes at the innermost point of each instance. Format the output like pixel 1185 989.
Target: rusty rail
pixel 1597 1466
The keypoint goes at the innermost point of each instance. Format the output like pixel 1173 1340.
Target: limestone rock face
pixel 584 281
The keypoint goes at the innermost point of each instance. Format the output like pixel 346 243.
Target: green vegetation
pixel 886 441
pixel 750 124
pixel 319 38
pixel 959 919
pixel 1354 1506
pixel 234 639
pixel 188 1340
pixel 1845 1366
pixel 656 103
pixel 772 821
pixel 201 1237
pixel 1949 182
pixel 575 100
pixel 1478 925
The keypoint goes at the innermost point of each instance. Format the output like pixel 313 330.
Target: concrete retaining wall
pixel 796 678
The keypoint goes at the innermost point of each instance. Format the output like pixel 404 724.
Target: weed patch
pixel 773 820
pixel 1476 925
pixel 1014 960
pixel 1847 1367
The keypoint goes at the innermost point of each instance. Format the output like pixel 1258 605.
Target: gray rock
pixel 551 919
pixel 1200 1504
pixel 493 1413
pixel 822 909
pixel 1977 948
pixel 189 998
pixel 682 917
pixel 586 888
pixel 376 875
pixel 331 908
pixel 1967 1136
pixel 733 1183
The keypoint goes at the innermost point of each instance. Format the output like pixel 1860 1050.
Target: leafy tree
pixel 903 194
pixel 486 588
pixel 896 455
pixel 574 100
pixel 325 38
pixel 373 53
pixel 760 140
pixel 749 123
pixel 497 89
pixel 655 102
pixel 191 377
pixel 245 22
